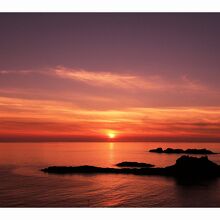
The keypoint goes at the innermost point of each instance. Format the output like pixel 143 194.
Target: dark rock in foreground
pixel 185 167
pixel 181 151
pixel 133 164
pixel 194 167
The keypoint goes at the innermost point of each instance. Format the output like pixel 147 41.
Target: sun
pixel 111 135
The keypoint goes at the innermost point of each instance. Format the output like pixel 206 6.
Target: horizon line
pixel 103 141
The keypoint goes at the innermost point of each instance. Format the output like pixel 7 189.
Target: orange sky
pixel 54 118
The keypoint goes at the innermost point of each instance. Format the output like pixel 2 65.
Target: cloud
pixel 105 90
pixel 111 80
pixel 123 81
pixel 128 81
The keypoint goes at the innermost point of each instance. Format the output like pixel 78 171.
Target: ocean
pixel 22 184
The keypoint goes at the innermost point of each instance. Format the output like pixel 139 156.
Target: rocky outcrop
pixel 181 151
pixel 194 167
pixel 133 164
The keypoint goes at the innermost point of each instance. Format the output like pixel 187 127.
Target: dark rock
pixel 85 169
pixel 133 164
pixel 77 169
pixel 173 151
pixel 198 151
pixel 181 151
pixel 194 167
pixel 157 150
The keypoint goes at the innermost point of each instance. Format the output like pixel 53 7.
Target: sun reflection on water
pixel 111 153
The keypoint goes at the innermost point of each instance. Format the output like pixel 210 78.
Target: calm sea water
pixel 23 185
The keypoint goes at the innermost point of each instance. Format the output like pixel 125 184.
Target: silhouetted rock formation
pixel 133 164
pixel 198 151
pixel 176 151
pixel 194 167
pixel 157 150
pixel 181 151
pixel 77 169
pixel 185 167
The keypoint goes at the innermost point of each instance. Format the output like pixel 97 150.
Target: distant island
pixel 186 167
pixel 133 164
pixel 181 151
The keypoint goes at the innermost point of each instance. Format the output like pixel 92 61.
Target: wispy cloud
pixel 112 80
pixel 100 78
pixel 129 81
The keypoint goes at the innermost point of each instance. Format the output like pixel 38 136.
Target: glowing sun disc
pixel 111 135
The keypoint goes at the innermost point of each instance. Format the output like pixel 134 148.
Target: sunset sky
pixel 90 77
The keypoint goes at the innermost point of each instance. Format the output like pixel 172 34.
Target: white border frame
pixel 109 5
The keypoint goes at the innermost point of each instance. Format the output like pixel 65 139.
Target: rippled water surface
pixel 24 185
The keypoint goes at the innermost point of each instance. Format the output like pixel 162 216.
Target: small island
pixel 181 151
pixel 186 167
pixel 133 164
